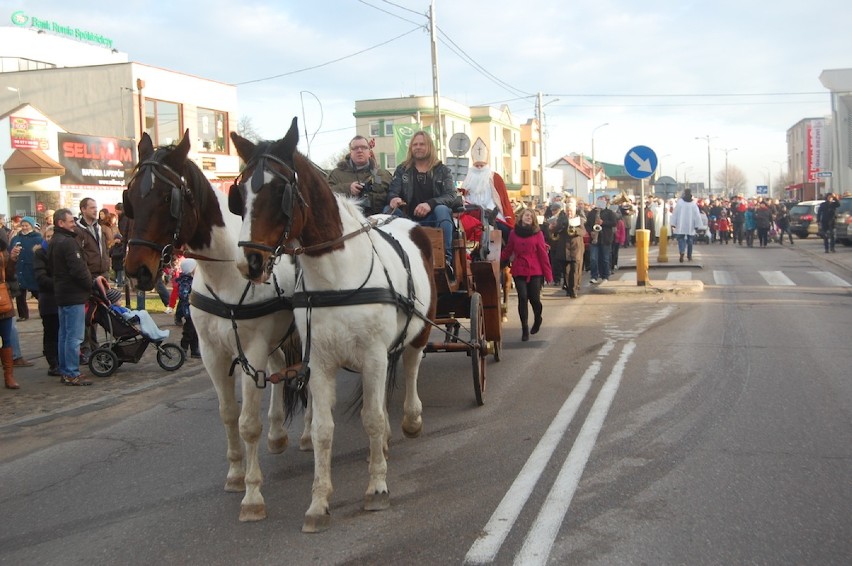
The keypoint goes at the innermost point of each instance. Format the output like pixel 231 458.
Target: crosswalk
pixel 724 278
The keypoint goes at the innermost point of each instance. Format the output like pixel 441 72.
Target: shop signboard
pixel 94 161
pixel 28 133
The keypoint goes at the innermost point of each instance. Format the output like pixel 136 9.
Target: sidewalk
pixel 42 397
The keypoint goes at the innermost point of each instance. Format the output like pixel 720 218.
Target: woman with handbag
pixel 7 314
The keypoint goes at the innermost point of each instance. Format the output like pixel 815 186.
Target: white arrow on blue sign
pixel 640 162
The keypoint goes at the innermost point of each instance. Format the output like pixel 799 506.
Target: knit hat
pixel 30 220
pixel 187 265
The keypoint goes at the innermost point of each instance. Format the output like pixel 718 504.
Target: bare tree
pixel 245 127
pixel 735 180
pixel 332 160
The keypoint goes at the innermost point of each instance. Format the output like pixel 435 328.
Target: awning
pixel 32 162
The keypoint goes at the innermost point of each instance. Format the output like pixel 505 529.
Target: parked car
pixel 844 222
pixel 803 218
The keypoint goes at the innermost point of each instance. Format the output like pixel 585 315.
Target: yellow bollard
pixel 643 238
pixel 663 256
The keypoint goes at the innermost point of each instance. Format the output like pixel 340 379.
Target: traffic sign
pixel 762 189
pixel 824 174
pixel 459 144
pixel 640 162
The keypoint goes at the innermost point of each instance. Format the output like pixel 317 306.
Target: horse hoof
pixel 412 430
pixel 253 512
pixel 277 445
pixel 316 523
pixel 306 445
pixel 235 485
pixel 377 501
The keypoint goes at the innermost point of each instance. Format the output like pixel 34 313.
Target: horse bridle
pixel 290 196
pixel 148 171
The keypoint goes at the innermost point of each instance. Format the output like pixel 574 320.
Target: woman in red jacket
pixel 527 251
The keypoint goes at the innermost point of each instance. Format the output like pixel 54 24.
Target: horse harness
pixel 240 311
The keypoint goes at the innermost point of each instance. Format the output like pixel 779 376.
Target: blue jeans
pixel 684 243
pixel 440 217
pixel 14 341
pixel 72 330
pixel 600 258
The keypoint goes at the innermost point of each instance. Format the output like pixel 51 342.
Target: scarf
pixel 524 231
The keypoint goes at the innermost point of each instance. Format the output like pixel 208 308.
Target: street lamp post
pixel 727 151
pixel 541 144
pixel 780 175
pixel 594 173
pixel 709 180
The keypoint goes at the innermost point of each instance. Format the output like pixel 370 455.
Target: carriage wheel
pixel 103 362
pixel 477 354
pixel 170 356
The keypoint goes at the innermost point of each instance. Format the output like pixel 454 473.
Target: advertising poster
pixel 95 162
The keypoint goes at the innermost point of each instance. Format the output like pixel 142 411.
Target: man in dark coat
pixel 72 285
pixel 826 220
pixel 359 176
pixel 600 256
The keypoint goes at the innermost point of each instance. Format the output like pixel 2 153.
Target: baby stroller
pixel 701 234
pixel 126 343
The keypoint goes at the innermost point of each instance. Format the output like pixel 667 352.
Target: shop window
pixel 375 130
pixel 162 121
pixel 212 130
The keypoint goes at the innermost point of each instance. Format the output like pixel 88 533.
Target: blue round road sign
pixel 640 162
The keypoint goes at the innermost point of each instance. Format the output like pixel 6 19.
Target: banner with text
pixel 95 162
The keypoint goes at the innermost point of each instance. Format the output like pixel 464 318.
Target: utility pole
pixel 540 150
pixel 436 91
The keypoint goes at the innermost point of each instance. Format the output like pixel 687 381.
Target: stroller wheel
pixel 170 356
pixel 103 362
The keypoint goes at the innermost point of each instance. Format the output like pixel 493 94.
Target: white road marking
pixel 776 278
pixel 539 541
pixel 724 278
pixel 486 547
pixel 830 279
pixel 679 276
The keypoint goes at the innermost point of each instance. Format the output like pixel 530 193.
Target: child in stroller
pixel 126 342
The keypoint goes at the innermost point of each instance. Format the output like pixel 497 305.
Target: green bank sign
pixel 21 19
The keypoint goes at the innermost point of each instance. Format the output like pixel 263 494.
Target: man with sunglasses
pixel 360 176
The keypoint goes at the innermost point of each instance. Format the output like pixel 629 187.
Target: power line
pixel 391 13
pixel 329 62
pixel 472 62
pixel 670 95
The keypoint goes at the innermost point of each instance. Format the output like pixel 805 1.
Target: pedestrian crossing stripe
pixel 727 278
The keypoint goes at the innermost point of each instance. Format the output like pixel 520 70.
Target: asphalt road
pixel 708 427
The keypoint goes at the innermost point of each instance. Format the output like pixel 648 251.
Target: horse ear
pixel 178 156
pixel 245 148
pixel 235 200
pixel 146 147
pixel 292 137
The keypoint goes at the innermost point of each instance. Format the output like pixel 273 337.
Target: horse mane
pixel 322 204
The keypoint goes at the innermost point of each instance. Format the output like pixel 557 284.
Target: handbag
pixel 5 299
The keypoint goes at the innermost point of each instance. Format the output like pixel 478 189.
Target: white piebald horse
pixel 365 298
pixel 172 205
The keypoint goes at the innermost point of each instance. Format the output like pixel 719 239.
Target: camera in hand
pixel 367 186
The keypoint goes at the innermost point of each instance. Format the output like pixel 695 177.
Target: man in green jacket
pixel 359 176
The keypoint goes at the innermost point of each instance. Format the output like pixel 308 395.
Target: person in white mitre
pixel 485 188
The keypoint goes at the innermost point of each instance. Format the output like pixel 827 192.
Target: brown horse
pixel 172 206
pixel 364 299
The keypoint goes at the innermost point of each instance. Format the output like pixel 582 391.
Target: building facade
pixel 839 130
pixel 98 105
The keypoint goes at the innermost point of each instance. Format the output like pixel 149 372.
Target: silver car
pixel 844 221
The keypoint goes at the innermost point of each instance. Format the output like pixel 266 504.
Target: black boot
pixel 536 324
pixel 525 333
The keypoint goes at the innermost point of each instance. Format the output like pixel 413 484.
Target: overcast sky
pixel 661 73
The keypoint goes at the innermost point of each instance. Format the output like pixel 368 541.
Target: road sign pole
pixel 640 163
pixel 643 242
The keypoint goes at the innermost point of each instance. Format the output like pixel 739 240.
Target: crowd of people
pixel 61 264
pixel 556 242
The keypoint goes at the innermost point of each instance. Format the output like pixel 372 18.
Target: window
pixel 388 127
pixel 525 177
pixel 212 127
pixel 390 160
pixel 525 149
pixel 162 122
pixel 374 129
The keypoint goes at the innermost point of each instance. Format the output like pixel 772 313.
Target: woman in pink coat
pixel 527 251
